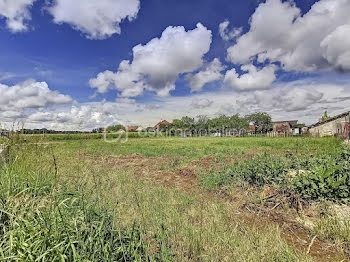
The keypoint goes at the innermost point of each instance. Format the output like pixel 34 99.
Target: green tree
pixel 188 122
pixel 260 119
pixel 325 116
pixel 177 123
pixel 238 122
pixel 116 128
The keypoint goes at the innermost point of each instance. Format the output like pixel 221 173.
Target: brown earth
pixel 161 171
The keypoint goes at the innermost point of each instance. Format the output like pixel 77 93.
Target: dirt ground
pixel 282 209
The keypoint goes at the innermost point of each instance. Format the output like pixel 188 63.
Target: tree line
pixel 262 123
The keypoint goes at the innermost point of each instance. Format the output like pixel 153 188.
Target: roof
pixel 163 122
pixel 291 122
pixel 132 128
pixel 330 119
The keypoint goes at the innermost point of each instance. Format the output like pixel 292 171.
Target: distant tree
pixel 202 121
pixel 238 122
pixel 325 116
pixel 164 127
pixel 188 122
pixel 177 123
pixel 262 120
pixel 115 128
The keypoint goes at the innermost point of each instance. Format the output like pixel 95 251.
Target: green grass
pixel 197 147
pixel 58 204
pixel 44 219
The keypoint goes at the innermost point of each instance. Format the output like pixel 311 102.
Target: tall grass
pixel 56 206
pixel 44 219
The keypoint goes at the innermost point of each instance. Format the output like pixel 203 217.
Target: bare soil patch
pixel 271 211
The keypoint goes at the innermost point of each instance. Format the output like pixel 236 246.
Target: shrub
pixel 323 177
pixel 328 179
pixel 262 170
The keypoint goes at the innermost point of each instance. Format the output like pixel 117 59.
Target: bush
pixel 262 169
pixel 328 179
pixel 323 177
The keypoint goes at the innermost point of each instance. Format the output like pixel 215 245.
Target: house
pixel 287 127
pixel 251 129
pixel 133 128
pixel 163 122
pixel 338 125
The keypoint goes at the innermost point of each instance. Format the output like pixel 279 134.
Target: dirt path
pixel 158 171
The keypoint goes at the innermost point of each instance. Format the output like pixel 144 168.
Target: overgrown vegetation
pixel 44 219
pixel 71 201
pixel 316 177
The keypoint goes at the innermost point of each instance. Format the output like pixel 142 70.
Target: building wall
pixel 282 128
pixel 335 127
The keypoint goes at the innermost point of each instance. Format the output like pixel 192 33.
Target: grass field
pixel 175 199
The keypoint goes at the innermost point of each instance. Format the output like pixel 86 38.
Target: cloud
pixel 16 13
pixel 30 94
pixel 157 64
pixel 6 75
pixel 201 103
pixel 96 19
pixel 125 100
pixel 103 81
pixel 336 47
pixel 304 100
pixel 252 80
pixel 211 73
pixel 279 33
pixel 290 100
pixel 226 34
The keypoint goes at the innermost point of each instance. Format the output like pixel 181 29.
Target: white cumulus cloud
pixel 211 73
pixel 253 79
pixel 200 103
pixel 97 19
pixel 157 64
pixel 16 13
pixel 336 47
pixel 227 34
pixel 30 94
pixel 280 33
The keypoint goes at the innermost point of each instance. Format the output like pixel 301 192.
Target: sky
pixel 78 65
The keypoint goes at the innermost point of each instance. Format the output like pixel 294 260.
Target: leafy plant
pixel 262 170
pixel 328 179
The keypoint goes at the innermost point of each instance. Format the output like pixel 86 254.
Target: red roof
pixel 163 122
pixel 133 128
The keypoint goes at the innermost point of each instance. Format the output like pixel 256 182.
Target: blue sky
pixel 67 54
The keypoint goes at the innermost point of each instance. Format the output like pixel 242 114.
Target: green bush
pixel 261 170
pixel 328 178
pixel 323 177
